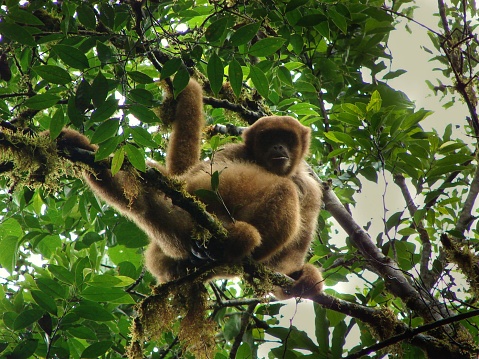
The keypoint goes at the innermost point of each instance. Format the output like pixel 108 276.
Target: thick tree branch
pixel 395 280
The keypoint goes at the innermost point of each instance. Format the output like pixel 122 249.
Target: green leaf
pixel 338 340
pixel 394 74
pixel 170 67
pixel 215 72
pixel 25 348
pixel 259 81
pixel 8 252
pixel 107 147
pixel 340 137
pixel 86 16
pixel 82 333
pixel 42 101
pixel 215 31
pixel 294 4
pixel 232 327
pixel 49 244
pixel 136 157
pixel 321 329
pixel 107 280
pixel 207 195
pixel 71 56
pixel 44 301
pixel 10 233
pixel 83 96
pixel 105 54
pixel 244 351
pixel 311 20
pixel 244 34
pixel 105 111
pixel 338 19
pixel 141 96
pixel 143 114
pixel 369 173
pixel 53 74
pixel 140 77
pixel 24 17
pixel 266 46
pixel 99 89
pixel 142 137
pixel 375 102
pixel 93 311
pixel 215 180
pixel 51 287
pixel 57 123
pixel 120 254
pixel 26 318
pixel 102 294
pixel 117 161
pixel 17 33
pixel 97 349
pixel 181 80
pixel 61 273
pixel 129 235
pixel 285 75
pixel 235 74
pixel 105 131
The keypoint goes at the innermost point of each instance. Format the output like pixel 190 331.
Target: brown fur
pixel 263 183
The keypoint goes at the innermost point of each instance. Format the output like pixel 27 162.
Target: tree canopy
pixel 72 283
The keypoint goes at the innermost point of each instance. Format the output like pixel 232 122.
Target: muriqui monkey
pixel 269 206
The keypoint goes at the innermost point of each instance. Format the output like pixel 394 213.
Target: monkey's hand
pixel 200 253
pixel 307 283
pixel 243 238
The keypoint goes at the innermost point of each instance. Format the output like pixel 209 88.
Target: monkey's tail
pixel 185 141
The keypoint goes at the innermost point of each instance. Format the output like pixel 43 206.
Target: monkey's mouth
pixel 280 158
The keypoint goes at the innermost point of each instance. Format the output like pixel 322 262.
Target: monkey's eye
pixel 268 138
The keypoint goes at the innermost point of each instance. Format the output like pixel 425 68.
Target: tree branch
pixel 437 350
pixel 395 280
pixel 427 277
pixel 249 115
pixel 466 217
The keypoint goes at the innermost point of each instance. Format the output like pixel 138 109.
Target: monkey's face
pixel 274 150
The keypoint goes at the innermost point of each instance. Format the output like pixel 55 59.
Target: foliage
pixel 72 267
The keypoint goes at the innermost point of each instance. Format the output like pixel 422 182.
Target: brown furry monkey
pixel 269 202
